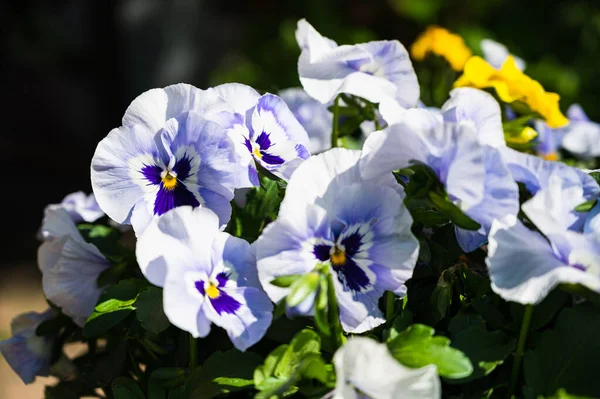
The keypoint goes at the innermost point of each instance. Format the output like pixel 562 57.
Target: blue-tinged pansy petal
pixel 582 139
pixel 366 367
pixel 535 173
pixel 70 266
pixel 451 150
pixel 525 268
pixel 154 107
pixel 312 115
pixel 592 221
pixel 277 138
pixel 501 198
pixel 28 354
pixel 374 70
pixel 207 276
pixel 81 207
pixel 478 108
pixel 575 113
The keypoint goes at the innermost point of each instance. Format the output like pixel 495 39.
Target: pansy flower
pixel 458 150
pixel 28 354
pixel 496 53
pixel 81 207
pixel 164 160
pixel 444 43
pixel 208 276
pixel 373 70
pixel 359 229
pixel 312 115
pixel 70 266
pixel 511 85
pixel 524 265
pixel 365 368
pixel 264 130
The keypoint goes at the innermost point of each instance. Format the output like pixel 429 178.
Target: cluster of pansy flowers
pixel 173 167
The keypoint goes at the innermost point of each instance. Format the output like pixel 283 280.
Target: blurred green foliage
pixel 559 40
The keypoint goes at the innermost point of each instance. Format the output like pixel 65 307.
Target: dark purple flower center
pixel 260 151
pixel 349 273
pixel 172 191
pixel 220 300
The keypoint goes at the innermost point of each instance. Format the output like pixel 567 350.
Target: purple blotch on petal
pixel 222 278
pixel 183 167
pixel 321 252
pixel 352 243
pixel 271 159
pixel 152 173
pixel 169 199
pixel 351 276
pixel 200 287
pixel 225 303
pixel 263 141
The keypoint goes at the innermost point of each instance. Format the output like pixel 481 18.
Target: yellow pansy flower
pixel 513 85
pixel 442 42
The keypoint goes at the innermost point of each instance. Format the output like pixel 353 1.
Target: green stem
pixel 336 122
pixel 334 313
pixel 193 353
pixel 520 349
pixel 390 298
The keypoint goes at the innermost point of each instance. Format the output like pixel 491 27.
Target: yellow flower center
pixel 169 181
pixel 256 153
pixel 338 257
pixel 212 291
pixel 553 156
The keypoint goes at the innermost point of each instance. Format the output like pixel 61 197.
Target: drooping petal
pixel 496 53
pixel 478 108
pixel 523 267
pixel 28 354
pixel 71 282
pixel 575 113
pixel 582 139
pixel 183 304
pixel 364 366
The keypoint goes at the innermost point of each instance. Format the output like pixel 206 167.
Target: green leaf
pixel 586 206
pixel 486 349
pixel 105 238
pixel 566 356
pixel 168 377
pixel 302 288
pixel 262 205
pixel 149 310
pixel 283 368
pixel 463 321
pixel 285 281
pixel 321 309
pixel 596 176
pixel 453 212
pixel 126 388
pixel 563 394
pixel 115 304
pixel 429 217
pixel 417 347
pixel 223 373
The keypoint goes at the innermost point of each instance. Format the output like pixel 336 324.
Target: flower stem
pixel 334 313
pixel 520 349
pixel 335 131
pixel 193 353
pixel 389 305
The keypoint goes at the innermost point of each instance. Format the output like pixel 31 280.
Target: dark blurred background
pixel 69 68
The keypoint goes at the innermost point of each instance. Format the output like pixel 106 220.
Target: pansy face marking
pixel 213 291
pixel 170 184
pixel 259 148
pixel 343 256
